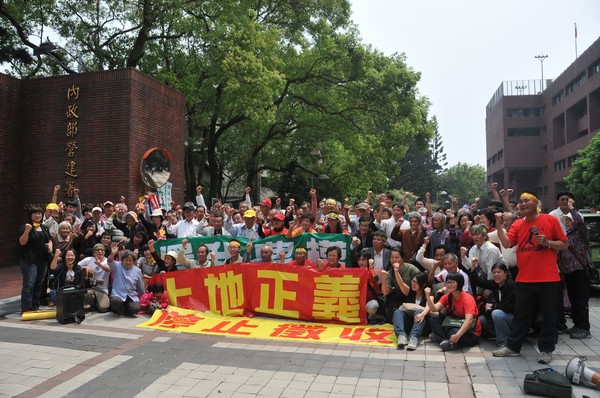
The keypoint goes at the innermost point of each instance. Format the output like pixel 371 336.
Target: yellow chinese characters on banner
pixel 189 321
pixel 244 289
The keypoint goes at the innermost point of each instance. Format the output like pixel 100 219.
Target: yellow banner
pixel 190 321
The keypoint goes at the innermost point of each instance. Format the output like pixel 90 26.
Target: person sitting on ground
pixel 147 264
pixel 498 315
pixel 154 299
pixel 168 263
pixel 128 283
pixel 390 279
pixel 411 319
pixel 66 270
pixel 455 305
pixel 202 260
pixel 96 268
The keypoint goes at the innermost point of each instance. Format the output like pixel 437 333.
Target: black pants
pixel 441 333
pixel 127 307
pixel 531 296
pixel 578 290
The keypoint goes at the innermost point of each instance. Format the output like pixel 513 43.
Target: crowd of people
pixel 456 274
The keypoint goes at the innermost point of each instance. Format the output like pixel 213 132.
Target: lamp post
pixel 520 89
pixel 437 196
pixel 542 58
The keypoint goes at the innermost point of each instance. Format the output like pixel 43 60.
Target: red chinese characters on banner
pixel 367 335
pixel 337 296
pixel 174 320
pixel 301 332
pixel 231 327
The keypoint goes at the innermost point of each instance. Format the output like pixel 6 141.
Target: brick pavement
pixel 109 356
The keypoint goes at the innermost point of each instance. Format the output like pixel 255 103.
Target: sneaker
pixel 581 334
pixel 505 352
pixel 572 330
pixel 434 339
pixel 401 341
pixel 545 358
pixel 446 345
pixel 413 342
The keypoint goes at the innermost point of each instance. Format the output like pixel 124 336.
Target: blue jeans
pixel 33 283
pixel 401 319
pixel 498 325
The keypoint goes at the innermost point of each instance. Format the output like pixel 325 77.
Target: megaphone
pixel 578 373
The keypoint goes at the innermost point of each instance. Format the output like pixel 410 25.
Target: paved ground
pixel 109 356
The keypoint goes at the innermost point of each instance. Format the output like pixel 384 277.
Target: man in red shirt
pixel 539 237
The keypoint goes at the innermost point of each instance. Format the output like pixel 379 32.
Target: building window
pixel 524 132
pixel 560 165
pixel 523 112
pixel 557 99
pixel 571 159
pixel 578 81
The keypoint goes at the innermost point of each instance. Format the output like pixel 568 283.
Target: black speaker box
pixel 69 304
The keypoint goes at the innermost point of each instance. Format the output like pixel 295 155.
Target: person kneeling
pixel 128 283
pixel 458 324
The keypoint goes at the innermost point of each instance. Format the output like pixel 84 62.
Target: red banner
pixel 245 289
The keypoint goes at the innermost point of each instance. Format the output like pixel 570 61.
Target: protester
pixel 539 236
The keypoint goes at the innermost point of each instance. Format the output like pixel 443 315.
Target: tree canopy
pixel 584 177
pixel 278 92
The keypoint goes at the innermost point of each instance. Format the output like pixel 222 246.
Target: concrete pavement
pixel 109 356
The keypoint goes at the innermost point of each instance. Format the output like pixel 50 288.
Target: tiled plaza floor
pixel 109 356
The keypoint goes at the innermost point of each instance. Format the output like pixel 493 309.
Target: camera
pixel 91 282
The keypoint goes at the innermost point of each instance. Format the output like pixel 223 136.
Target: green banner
pixel 315 244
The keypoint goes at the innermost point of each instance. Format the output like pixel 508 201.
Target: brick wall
pixel 121 114
pixel 9 164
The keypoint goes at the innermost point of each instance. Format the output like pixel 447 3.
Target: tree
pixel 420 169
pixel 269 85
pixel 584 177
pixel 463 181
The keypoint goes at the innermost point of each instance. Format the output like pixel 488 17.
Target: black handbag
pixel 548 382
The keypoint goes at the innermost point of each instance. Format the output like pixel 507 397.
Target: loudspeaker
pixel 69 304
pixel 578 373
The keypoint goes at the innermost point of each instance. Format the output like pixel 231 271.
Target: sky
pixel 464 50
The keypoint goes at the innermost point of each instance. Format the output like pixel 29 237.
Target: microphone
pixel 534 230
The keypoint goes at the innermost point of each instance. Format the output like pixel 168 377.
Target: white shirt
pixel 510 254
pixel 388 225
pixel 184 228
pixel 99 273
pixel 487 256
